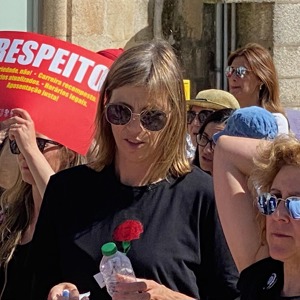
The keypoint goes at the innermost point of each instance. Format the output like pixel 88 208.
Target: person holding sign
pixel 141 177
pixel 8 162
pixel 38 158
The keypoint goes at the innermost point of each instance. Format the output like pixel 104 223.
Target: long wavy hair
pixel 262 65
pixel 283 151
pixel 152 65
pixel 17 207
pixel 3 138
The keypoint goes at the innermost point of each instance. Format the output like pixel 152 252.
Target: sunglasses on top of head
pixel 201 115
pixel 239 71
pixel 121 114
pixel 41 143
pixel 268 203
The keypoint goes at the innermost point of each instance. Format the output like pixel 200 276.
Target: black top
pixel 182 246
pixel 263 281
pixel 18 276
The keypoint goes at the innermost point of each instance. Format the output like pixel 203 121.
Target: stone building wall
pixel 190 25
pixel 287 50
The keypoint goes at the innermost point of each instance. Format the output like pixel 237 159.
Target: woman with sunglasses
pixel 205 151
pixel 37 159
pixel 140 173
pixel 253 80
pixel 264 234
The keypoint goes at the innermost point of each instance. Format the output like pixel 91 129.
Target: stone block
pixel 88 17
pixel 124 19
pixel 286 24
pixel 287 60
pixel 54 21
pixel 290 92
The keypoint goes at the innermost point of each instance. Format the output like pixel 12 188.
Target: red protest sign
pixel 57 82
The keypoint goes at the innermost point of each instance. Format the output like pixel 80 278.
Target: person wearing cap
pixel 206 102
pixel 253 80
pixel 252 122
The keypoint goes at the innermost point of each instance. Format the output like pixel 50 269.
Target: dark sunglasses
pixel 203 140
pixel 41 143
pixel 268 203
pixel 202 115
pixel 120 114
pixel 239 71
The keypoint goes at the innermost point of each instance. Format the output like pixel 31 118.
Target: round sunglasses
pixel 239 71
pixel 41 143
pixel 121 114
pixel 201 115
pixel 268 203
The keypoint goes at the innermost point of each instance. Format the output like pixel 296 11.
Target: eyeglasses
pixel 202 115
pixel 41 143
pixel 120 114
pixel 268 203
pixel 239 71
pixel 203 140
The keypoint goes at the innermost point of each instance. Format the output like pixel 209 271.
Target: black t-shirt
pixel 182 246
pixel 16 279
pixel 263 281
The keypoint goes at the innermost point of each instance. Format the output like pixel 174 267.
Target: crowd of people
pixel 219 221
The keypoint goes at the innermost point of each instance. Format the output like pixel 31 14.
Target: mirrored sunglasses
pixel 120 114
pixel 41 143
pixel 268 203
pixel 239 71
pixel 201 115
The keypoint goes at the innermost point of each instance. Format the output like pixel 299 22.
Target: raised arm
pixel 233 162
pixel 23 131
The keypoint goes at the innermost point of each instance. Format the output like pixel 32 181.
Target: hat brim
pixel 205 104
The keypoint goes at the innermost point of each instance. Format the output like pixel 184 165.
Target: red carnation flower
pixel 128 231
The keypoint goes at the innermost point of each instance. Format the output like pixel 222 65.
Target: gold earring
pixel 260 87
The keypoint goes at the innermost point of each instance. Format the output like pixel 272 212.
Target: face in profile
pixel 243 83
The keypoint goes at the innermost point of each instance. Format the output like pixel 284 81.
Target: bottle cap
pixel 109 249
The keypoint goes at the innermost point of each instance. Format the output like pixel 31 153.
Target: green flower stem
pixel 126 246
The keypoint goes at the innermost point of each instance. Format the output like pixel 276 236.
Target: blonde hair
pixel 17 207
pixel 262 65
pixel 283 151
pixel 152 65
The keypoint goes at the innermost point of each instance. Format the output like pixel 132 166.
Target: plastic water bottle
pixel 112 263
